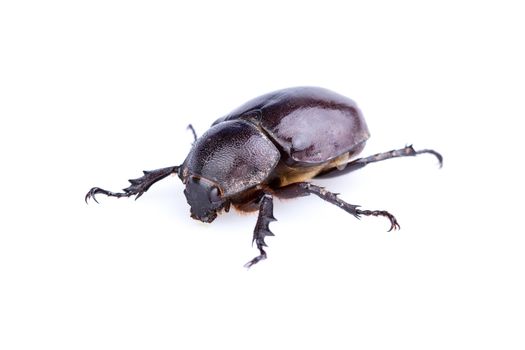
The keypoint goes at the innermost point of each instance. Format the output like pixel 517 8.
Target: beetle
pixel 270 147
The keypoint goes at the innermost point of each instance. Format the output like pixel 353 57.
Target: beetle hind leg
pixel 302 189
pixel 138 186
pixel 262 229
pixel 359 163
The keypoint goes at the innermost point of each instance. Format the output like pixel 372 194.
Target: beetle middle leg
pixel 301 189
pixel 262 228
pixel 138 186
pixel 408 151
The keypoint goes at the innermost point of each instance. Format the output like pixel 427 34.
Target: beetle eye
pixel 215 195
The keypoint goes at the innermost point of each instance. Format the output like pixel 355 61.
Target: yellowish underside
pixel 289 175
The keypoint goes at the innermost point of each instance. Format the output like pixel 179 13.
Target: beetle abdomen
pixel 310 124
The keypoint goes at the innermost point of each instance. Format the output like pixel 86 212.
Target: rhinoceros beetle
pixel 270 147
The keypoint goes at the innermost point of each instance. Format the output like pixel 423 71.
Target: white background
pixel 91 93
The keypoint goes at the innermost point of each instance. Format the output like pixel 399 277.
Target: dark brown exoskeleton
pixel 269 147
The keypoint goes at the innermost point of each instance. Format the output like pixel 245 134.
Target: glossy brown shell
pixel 311 125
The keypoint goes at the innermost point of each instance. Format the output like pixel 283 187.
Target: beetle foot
pixel 431 151
pixel 97 190
pixel 128 192
pixel 255 260
pixel 394 225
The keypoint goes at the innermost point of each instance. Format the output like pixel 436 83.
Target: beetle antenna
pixel 190 127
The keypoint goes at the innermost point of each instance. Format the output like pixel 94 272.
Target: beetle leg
pixel 138 186
pixel 262 228
pixel 302 189
pixel 408 151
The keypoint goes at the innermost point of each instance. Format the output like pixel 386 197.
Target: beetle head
pixel 227 160
pixel 205 198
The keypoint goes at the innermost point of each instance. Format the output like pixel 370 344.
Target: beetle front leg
pixel 138 186
pixel 408 151
pixel 262 228
pixel 302 189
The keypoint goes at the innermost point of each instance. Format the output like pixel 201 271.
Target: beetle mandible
pixel 270 147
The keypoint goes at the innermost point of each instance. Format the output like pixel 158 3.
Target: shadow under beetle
pixel 269 147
